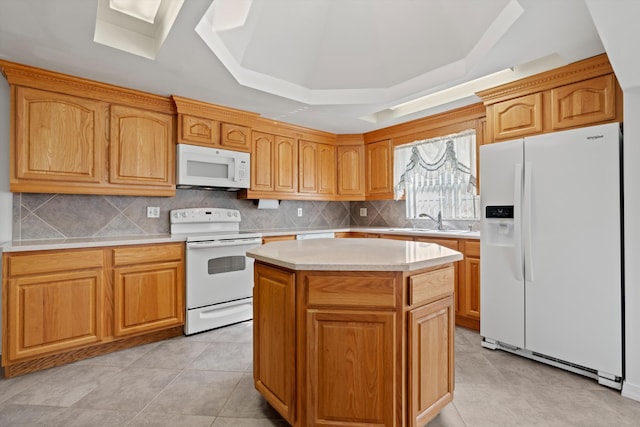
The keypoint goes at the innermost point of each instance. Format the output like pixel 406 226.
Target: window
pixel 438 177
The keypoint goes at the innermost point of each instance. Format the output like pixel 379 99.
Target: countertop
pixel 88 242
pixel 354 254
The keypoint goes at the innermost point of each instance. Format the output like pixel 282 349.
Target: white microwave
pixel 212 167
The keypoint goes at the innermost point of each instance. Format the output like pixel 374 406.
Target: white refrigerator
pixel 551 250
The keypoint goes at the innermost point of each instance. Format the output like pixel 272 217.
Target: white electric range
pixel 219 275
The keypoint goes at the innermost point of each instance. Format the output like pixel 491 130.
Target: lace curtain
pixel 438 176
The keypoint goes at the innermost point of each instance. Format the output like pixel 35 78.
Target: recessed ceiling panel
pixel 349 52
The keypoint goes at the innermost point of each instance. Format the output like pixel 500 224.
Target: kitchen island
pixel 354 331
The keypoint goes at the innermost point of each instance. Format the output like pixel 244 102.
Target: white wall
pixel 616 22
pixel 6 198
pixel 631 386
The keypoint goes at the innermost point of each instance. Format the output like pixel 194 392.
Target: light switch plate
pixel 363 211
pixel 299 211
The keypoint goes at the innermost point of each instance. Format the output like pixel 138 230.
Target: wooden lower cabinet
pixel 52 311
pixel 148 288
pixel 431 348
pixel 468 309
pixel 466 273
pixel 351 367
pixel 467 280
pixel 274 338
pixel 334 348
pixel 356 234
pixel 268 239
pixel 67 305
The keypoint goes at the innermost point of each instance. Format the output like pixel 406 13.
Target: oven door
pixel 219 271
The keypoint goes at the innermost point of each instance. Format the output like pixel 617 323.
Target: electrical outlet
pixel 153 212
pixel 299 211
pixel 363 211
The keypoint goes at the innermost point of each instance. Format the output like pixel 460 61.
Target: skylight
pixel 139 27
pixel 145 10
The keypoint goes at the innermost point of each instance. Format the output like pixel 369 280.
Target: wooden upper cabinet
pixel 58 138
pixel 262 161
pixel 211 133
pixel 235 137
pixel 307 167
pixel 286 154
pixel 518 117
pixel 350 172
pixel 326 173
pixel 141 147
pixel 582 103
pixel 583 93
pixel 379 170
pixel 209 125
pixel 198 130
pixel 76 136
pixel 316 168
pixel 273 163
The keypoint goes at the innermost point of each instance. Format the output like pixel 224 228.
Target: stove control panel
pixel 199 215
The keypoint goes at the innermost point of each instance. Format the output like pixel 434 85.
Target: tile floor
pixel 205 380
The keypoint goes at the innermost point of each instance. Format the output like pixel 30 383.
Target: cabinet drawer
pixel 152 253
pixel 447 243
pixel 353 291
pixel 52 261
pixel 472 248
pixel 269 239
pixel 430 286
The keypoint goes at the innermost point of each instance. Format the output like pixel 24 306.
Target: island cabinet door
pixel 431 361
pixel 350 368
pixel 273 335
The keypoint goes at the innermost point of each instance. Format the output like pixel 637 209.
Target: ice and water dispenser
pixel 499 225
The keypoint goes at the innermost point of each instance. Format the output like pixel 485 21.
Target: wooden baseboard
pixel 26 367
pixel 468 323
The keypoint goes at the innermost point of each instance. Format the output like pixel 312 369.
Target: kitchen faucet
pixel 437 220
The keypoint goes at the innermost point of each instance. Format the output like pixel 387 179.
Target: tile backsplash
pixel 58 216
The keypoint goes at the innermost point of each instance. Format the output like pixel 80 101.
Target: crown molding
pixel 582 70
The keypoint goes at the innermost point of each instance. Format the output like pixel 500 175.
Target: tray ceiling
pixel 340 66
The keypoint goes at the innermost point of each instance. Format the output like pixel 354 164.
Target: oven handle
pixel 223 243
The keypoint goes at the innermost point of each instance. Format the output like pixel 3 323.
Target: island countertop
pixel 354 254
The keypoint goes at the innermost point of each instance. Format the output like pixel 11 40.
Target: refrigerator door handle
pixel 528 219
pixel 517 222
